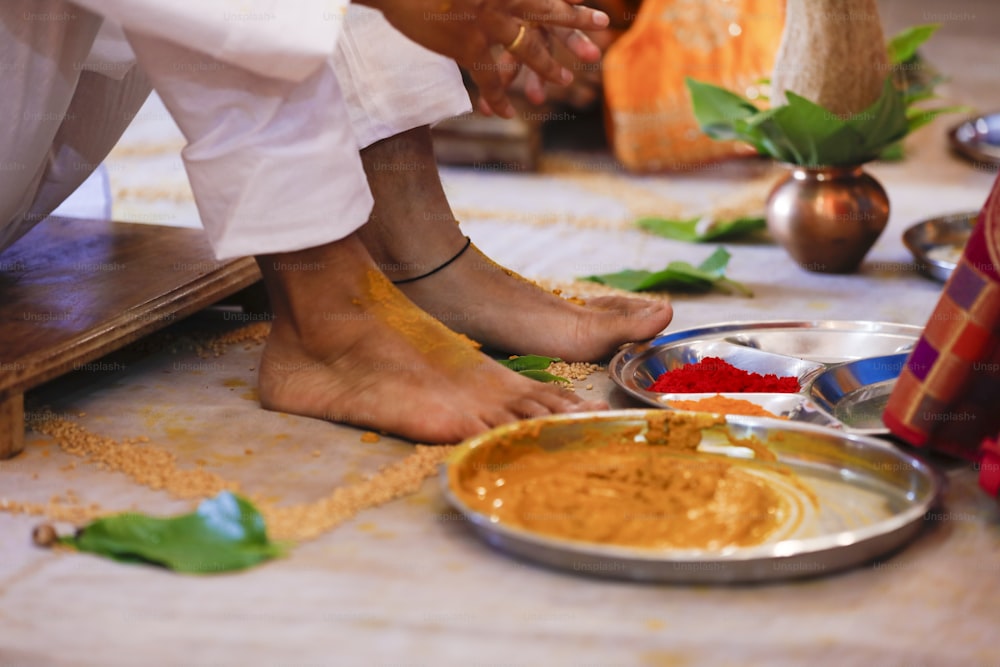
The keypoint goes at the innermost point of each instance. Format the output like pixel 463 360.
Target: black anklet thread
pixel 468 242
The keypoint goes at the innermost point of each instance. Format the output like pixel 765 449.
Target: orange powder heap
pixel 724 405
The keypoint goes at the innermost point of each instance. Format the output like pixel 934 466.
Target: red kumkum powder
pixel 713 374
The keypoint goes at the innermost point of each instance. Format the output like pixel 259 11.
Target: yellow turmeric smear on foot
pixel 572 299
pixel 429 336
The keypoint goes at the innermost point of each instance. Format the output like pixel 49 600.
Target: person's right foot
pixel 412 231
pixel 503 311
pixel 347 346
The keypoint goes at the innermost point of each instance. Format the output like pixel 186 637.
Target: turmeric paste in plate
pixel 653 491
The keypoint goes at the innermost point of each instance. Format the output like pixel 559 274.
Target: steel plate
pixel 872 498
pixel 808 350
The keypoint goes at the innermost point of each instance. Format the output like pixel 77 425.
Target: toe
pixel 528 408
pixel 592 406
pixel 620 320
pixel 451 429
pixel 556 399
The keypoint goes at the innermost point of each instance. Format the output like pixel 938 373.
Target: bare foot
pixel 503 311
pixel 412 231
pixel 347 346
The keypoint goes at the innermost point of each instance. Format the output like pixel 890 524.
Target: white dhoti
pixel 58 120
pixel 272 156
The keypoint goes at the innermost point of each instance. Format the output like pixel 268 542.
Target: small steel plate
pixel 813 351
pixel 978 139
pixel 937 243
pixel 871 499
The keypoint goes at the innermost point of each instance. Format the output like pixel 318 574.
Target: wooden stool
pixel 73 290
pixel 489 143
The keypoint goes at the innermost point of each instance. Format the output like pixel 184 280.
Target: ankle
pixel 405 256
pixel 311 289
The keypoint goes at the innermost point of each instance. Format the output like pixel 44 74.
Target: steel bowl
pixel 927 239
pixel 978 139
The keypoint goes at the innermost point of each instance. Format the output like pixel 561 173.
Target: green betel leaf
pixel 903 46
pixel 702 229
pixel 680 230
pixel 814 134
pixel 732 287
pixel 225 533
pixel 767 136
pixel 543 376
pixel 883 123
pixel 917 118
pixel 678 275
pixel 630 280
pixel 680 272
pixel 892 153
pixel 715 264
pixel 804 133
pixel 718 110
pixel 528 362
pixel 533 366
pixel 913 95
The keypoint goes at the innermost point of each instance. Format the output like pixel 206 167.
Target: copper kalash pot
pixel 827 218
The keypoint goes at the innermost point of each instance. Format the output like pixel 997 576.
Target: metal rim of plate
pixel 778 561
pixel 625 365
pixel 978 139
pixel 946 231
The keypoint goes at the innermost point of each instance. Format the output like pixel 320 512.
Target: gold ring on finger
pixel 517 40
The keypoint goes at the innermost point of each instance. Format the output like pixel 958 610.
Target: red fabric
pixel 989 467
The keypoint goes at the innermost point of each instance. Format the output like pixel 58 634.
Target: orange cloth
pixel 649 116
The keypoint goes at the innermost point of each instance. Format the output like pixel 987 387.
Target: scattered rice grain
pixel 310 520
pixel 147 465
pixel 576 371
pixel 157 469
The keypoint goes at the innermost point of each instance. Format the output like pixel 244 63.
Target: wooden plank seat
pixel 74 290
pixel 489 143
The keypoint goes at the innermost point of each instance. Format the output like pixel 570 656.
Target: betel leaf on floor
pixel 225 533
pixel 703 229
pixel 543 376
pixel 533 366
pixel 677 275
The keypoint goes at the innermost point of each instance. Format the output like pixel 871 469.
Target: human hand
pixel 467 29
pixel 569 48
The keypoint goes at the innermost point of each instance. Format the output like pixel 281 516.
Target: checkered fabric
pixel 948 395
